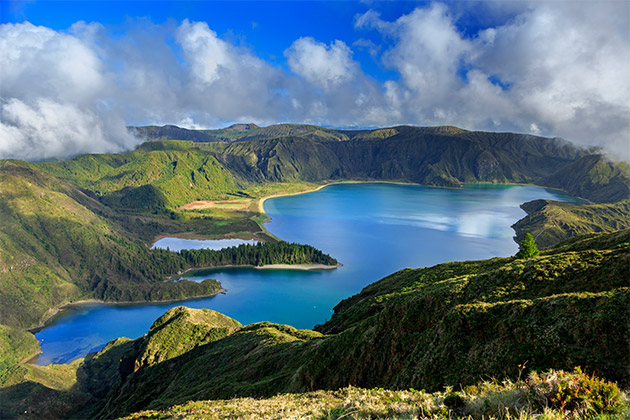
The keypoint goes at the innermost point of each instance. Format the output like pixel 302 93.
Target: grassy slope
pixel 594 178
pixel 55 233
pixel 534 397
pixel 426 328
pixel 451 324
pixel 184 171
pixel 433 158
pixel 59 245
pixel 176 177
pixel 551 221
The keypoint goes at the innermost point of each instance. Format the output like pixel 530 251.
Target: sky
pixel 75 74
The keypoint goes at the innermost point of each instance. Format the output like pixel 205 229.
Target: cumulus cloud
pixel 552 69
pixel 53 97
pixel 547 68
pixel 49 129
pixel 324 66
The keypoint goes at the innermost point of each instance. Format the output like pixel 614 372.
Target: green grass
pixel 453 325
pixel 551 221
pixel 449 325
pixel 80 229
pixel 549 395
pixel 16 345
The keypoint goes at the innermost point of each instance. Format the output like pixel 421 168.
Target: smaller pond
pixel 177 244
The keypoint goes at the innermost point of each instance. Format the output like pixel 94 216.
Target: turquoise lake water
pixel 372 229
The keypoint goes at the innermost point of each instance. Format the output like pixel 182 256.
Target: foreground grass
pixel 550 395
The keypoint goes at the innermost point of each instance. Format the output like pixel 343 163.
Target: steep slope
pixel 593 177
pixel 163 175
pixel 59 245
pixel 409 153
pixel 551 221
pixel 148 180
pixel 425 328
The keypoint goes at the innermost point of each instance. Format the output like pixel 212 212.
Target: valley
pixel 82 229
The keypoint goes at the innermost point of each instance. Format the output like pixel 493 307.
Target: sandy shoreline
pixel 262 200
pixel 304 267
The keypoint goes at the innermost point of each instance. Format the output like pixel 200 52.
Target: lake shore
pixel 306 267
pixel 59 309
pixel 261 201
pixel 299 267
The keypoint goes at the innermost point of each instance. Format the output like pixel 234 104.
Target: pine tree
pixel 528 248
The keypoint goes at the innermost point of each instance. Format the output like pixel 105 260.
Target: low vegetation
pixel 548 395
pixel 551 221
pixel 82 229
pixel 452 325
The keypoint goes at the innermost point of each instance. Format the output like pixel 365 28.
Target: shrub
pixel 575 394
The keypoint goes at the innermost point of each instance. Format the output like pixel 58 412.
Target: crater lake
pixel 373 229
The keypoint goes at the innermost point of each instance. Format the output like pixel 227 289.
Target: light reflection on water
pixel 372 229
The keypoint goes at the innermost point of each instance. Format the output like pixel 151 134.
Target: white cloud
pixel 324 66
pixel 547 68
pixel 49 129
pixel 555 69
pixel 206 53
pixel 53 96
pixel 59 65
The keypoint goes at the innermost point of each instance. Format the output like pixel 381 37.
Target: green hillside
pixel 443 156
pixel 594 178
pixel 552 221
pixel 549 395
pixel 60 244
pixel 81 229
pixel 449 325
pixel 186 170
pixel 148 180
pixel 425 328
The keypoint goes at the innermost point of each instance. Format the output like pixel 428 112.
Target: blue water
pixel 177 244
pixel 372 229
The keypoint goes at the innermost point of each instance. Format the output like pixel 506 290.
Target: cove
pixel 373 229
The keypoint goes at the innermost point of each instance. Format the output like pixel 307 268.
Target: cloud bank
pixel 552 69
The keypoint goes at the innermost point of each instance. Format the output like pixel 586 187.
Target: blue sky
pixel 267 28
pixel 76 73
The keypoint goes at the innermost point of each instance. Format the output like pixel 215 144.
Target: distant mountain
pixel 162 175
pixel 241 127
pixel 442 156
pixel 172 132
